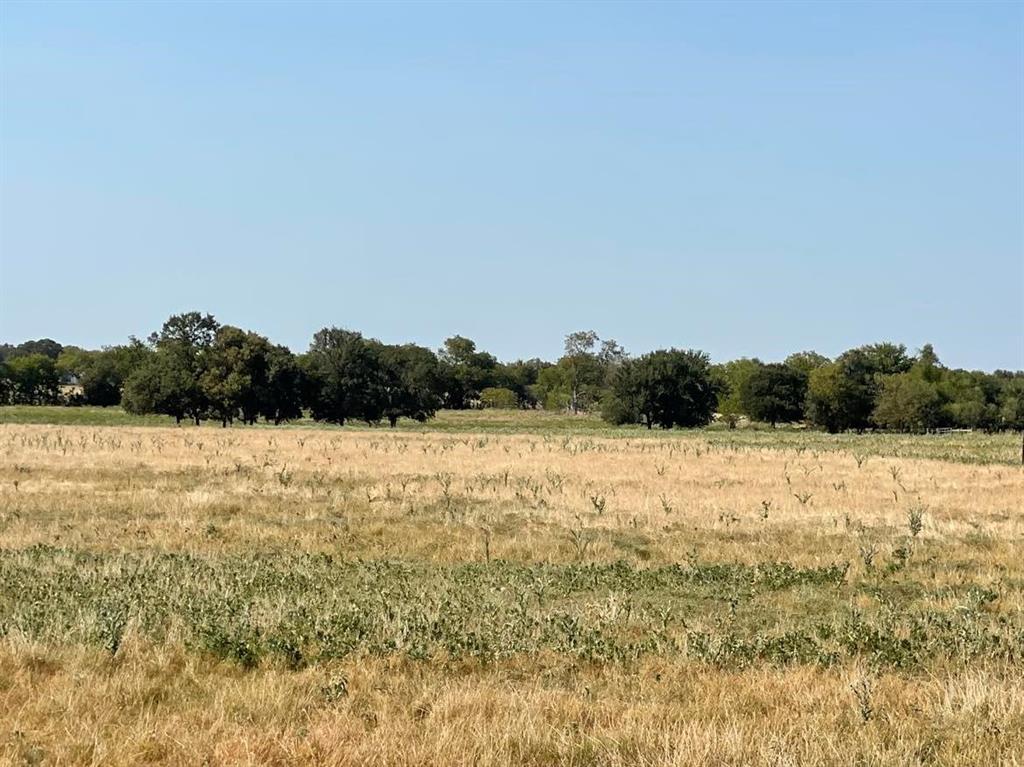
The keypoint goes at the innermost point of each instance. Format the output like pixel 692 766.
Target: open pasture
pixel 302 595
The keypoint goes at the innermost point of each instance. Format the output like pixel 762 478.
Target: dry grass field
pixel 324 596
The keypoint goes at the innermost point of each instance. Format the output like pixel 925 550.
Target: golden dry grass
pixel 541 506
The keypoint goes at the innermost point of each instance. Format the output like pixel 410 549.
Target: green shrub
pixel 498 397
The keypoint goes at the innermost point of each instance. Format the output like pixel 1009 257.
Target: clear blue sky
pixel 749 179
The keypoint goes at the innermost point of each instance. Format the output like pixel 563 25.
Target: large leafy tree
pixel 886 359
pixel 806 362
pixel 33 379
pixel 774 393
pixel 732 377
pixel 170 380
pixel 973 399
pixel 582 369
pixel 411 382
pixel 583 376
pixel 281 399
pixel 73 361
pixel 248 377
pixel 552 389
pixel 345 377
pixel 666 388
pixel 102 381
pixel 842 395
pixel 466 372
pixel 914 400
pixel 908 402
pixel 828 392
pixel 130 356
pixel 44 346
pixel 185 341
pixel 193 331
pixel 160 385
pixel 234 375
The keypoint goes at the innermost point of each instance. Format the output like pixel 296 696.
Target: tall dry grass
pixel 539 501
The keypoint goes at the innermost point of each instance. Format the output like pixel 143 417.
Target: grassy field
pixel 975 447
pixel 494 589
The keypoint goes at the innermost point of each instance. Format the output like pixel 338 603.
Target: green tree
pixel 235 376
pixel 842 395
pixel 1012 403
pixel 973 399
pixel 159 385
pixel 72 365
pixel 102 381
pixel 553 389
pixel 1012 407
pixel 412 385
pixel 774 393
pixel 583 376
pixel 345 377
pixel 73 361
pixel 521 378
pixel 44 346
pixel 915 399
pixel 281 399
pixel 828 392
pixel 170 379
pixel 34 379
pixel 7 387
pixel 732 378
pixel 97 372
pixel 909 402
pixel 581 366
pixel 192 330
pixel 102 374
pixel 886 359
pixel 465 372
pixel 129 357
pixel 806 362
pixel 665 388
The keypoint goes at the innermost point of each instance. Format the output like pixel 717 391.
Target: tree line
pixel 196 369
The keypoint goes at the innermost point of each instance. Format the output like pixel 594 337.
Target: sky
pixel 750 179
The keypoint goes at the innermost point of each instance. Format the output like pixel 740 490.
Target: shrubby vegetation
pixel 197 369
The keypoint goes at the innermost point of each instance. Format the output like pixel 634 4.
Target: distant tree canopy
pixel 582 377
pixel 842 395
pixel 352 378
pixel 732 377
pixel 342 371
pixel 913 400
pixel 665 388
pixel 1012 411
pixel 29 374
pixel 194 368
pixel 31 379
pixel 521 378
pixel 100 374
pixel 806 362
pixel 171 380
pixel 412 382
pixel 774 393
pixel 44 346
pixel 466 372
